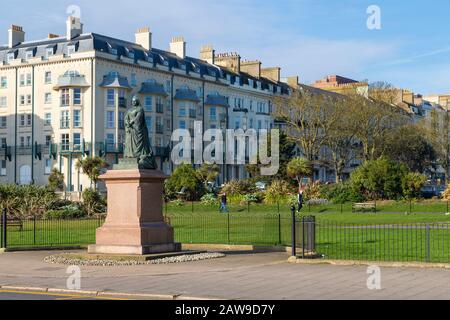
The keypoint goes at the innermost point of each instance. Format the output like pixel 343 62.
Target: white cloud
pixel 255 31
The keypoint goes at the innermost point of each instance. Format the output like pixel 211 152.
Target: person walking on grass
pixel 223 203
pixel 300 200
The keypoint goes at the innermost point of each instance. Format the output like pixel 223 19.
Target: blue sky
pixel 309 38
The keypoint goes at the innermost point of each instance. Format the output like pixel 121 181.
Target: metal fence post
pixel 228 227
pixel 294 238
pixel 428 253
pixel 34 230
pixel 279 229
pixel 303 237
pixel 4 228
pixel 1 232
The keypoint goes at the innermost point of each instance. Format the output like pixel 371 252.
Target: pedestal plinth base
pixel 134 250
pixel 135 224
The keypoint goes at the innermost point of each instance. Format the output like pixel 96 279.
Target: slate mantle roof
pixel 93 41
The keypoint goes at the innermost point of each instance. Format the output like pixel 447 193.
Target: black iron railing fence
pixel 414 242
pixel 419 242
pixel 35 233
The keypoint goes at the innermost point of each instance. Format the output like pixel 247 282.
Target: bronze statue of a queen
pixel 137 141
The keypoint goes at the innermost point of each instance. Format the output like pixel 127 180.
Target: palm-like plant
pixel 298 169
pixel 56 180
pixel 207 173
pixel 92 167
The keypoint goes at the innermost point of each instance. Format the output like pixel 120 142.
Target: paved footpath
pixel 238 276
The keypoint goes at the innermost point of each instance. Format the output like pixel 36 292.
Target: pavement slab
pixel 257 276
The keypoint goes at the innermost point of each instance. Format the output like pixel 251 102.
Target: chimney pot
pixel 253 68
pixel 74 27
pixel 207 53
pixel 144 38
pixel 16 36
pixel 273 74
pixel 178 47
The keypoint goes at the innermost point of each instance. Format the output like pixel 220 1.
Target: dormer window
pixel 29 55
pixel 130 53
pixel 71 50
pixel 49 52
pixel 112 50
pixel 10 57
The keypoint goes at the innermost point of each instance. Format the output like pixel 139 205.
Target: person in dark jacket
pixel 223 203
pixel 300 200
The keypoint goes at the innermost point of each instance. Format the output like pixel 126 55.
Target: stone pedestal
pixel 135 224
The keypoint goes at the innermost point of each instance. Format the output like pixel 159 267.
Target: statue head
pixel 135 101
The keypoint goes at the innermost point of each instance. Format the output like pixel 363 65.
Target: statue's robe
pixel 137 137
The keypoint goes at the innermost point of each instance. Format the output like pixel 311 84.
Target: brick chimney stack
pixel 144 38
pixel 207 53
pixel 178 47
pixel 273 74
pixel 231 61
pixel 16 36
pixel 253 68
pixel 74 27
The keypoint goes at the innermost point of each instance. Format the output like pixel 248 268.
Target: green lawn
pixel 386 213
pixel 377 236
pixel 382 207
pixel 53 233
pixel 413 243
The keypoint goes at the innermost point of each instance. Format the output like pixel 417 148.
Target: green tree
pixel 412 183
pixel 92 167
pixel 278 192
pixel 182 179
pixel 437 128
pixel 287 152
pixel 56 180
pixel 308 117
pixel 93 202
pixel 375 119
pixel 342 147
pixel 379 179
pixel 298 169
pixel 409 145
pixel 207 173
